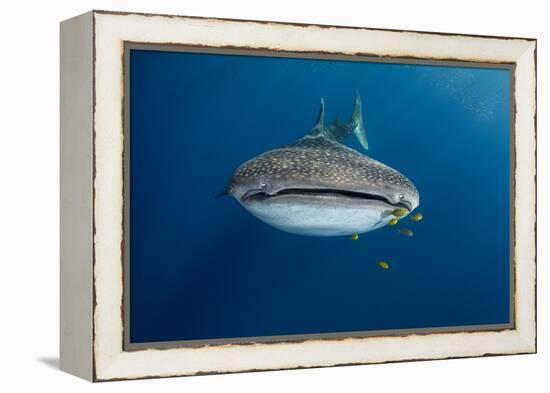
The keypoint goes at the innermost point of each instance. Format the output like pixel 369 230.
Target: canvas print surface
pixel 280 196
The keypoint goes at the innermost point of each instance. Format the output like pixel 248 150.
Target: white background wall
pixel 29 195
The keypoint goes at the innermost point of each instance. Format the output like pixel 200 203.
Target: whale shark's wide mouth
pixel 261 195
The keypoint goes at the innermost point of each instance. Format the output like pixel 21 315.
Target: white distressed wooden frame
pixel 92 143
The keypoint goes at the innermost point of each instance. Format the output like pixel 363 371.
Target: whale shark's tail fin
pixel 356 121
pixel 338 130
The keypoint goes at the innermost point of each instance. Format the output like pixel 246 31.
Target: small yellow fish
pixel 405 231
pixel 384 265
pixel 400 212
pixel 393 221
pixel 417 217
pixel 355 236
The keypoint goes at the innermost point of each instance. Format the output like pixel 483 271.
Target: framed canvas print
pixel 244 195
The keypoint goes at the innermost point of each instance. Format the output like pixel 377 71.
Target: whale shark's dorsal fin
pixel 320 122
pixel 338 130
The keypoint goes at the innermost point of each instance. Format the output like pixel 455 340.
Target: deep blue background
pixel 203 268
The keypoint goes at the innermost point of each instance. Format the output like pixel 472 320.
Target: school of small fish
pixel 396 215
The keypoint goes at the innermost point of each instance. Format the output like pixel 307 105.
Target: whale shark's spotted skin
pixel 314 158
pixel 319 187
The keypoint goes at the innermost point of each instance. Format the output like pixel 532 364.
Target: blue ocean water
pixel 204 268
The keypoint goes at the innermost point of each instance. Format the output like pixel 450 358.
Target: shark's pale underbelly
pixel 322 216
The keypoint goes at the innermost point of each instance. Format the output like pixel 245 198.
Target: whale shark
pixel 317 186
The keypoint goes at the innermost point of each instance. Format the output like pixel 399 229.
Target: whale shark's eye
pixel 401 196
pixel 263 185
